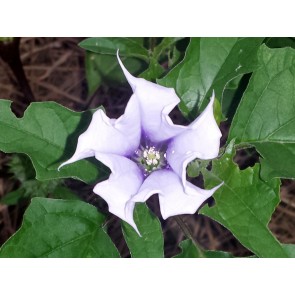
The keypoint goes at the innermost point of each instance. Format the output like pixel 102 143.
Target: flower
pixel 147 153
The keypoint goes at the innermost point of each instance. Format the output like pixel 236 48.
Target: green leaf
pixel 218 112
pixel 266 115
pixel 31 189
pixel 106 69
pixel 59 228
pixel 43 189
pixel 48 134
pixel 62 192
pixel 151 244
pixel 244 204
pixel 22 169
pixel 12 198
pixel 194 167
pixel 127 46
pixel 188 250
pixel 209 64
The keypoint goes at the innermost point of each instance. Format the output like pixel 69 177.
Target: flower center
pixel 150 158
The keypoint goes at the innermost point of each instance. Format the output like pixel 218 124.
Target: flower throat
pixel 150 157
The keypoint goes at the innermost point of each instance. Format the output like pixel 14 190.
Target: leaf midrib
pixel 67 243
pixel 59 147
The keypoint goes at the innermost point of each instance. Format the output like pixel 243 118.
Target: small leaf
pixel 188 250
pixel 48 134
pixel 174 56
pixel 106 69
pixel 153 72
pixel 59 228
pixel 62 192
pixel 12 198
pixel 165 44
pixel 244 204
pixel 208 65
pixel 218 112
pixel 151 244
pixel 21 167
pixel 266 115
pixel 194 167
pixel 127 47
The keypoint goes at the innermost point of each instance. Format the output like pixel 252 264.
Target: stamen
pixel 150 158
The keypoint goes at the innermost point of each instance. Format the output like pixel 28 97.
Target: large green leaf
pixel 127 46
pixel 209 64
pixel 48 134
pixel 244 204
pixel 151 242
pixel 266 115
pixel 188 250
pixel 59 228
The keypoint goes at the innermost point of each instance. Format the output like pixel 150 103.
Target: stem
pixel 188 234
pixel 152 43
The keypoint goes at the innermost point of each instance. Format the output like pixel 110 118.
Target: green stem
pixel 152 44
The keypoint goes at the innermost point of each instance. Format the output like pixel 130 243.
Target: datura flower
pixel 147 153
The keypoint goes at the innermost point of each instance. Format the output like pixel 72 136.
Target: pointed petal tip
pixel 214 189
pixel 137 231
pixel 69 161
pixel 221 184
pixel 131 79
pixel 212 98
pixel 62 165
pixel 129 207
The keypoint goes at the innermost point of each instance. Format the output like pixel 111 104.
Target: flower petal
pixel 173 199
pixel 155 103
pixel 121 136
pixel 124 181
pixel 201 139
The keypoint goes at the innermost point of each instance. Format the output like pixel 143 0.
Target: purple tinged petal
pixel 172 197
pixel 155 103
pixel 124 181
pixel 105 135
pixel 201 139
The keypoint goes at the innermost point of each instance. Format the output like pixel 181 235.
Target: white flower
pixel 147 153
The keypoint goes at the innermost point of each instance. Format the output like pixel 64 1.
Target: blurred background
pixel 57 69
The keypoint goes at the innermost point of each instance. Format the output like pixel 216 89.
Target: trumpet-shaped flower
pixel 147 153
